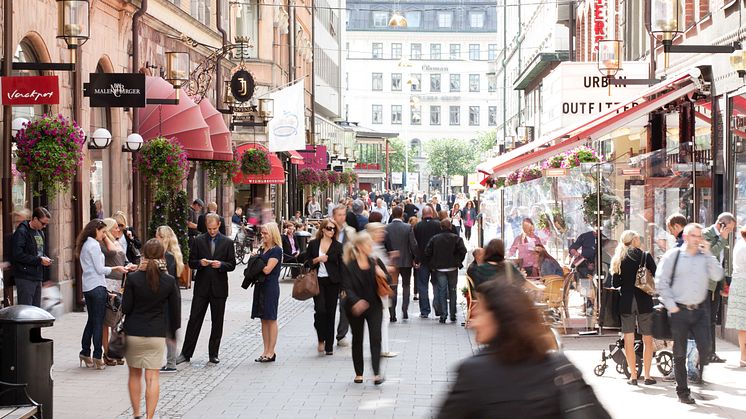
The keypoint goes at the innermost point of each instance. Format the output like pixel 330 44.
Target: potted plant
pixel 163 164
pixel 255 161
pixel 218 170
pixel 611 209
pixel 308 177
pixel 50 150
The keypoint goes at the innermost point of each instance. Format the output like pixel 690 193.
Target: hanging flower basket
pixel 351 177
pixel 255 162
pixel 218 171
pixel 308 177
pixel 163 164
pixel 611 209
pixel 334 178
pixel 323 180
pixel 50 150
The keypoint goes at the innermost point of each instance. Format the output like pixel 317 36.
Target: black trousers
pixel 325 310
pixel 344 326
pixel 29 292
pixel 197 317
pixel 406 280
pixel 683 323
pixel 467 232
pixel 716 305
pixel 373 316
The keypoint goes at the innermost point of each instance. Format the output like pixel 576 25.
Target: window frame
pixel 474 122
pixel 457 78
pixel 376 108
pixel 474 14
pixel 396 76
pixel 457 114
pixel 435 110
pixel 454 53
pixel 473 77
pixel 377 46
pixel 415 110
pixel 394 109
pixel 376 77
pixel 436 51
pixel 474 52
pixel 436 78
pixel 442 22
pixel 418 54
pixel 492 116
pixel 378 14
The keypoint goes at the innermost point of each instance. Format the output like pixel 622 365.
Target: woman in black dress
pixel 635 305
pixel 325 254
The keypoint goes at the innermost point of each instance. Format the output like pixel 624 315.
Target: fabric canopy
pixel 295 157
pixel 220 135
pixel 182 122
pixel 275 176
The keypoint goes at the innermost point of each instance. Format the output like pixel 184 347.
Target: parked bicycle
pixel 244 243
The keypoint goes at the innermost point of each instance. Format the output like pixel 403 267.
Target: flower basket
pixel 163 164
pixel 530 173
pixel 334 178
pixel 348 177
pixel 50 150
pixel 323 180
pixel 611 209
pixel 255 162
pixel 500 182
pixel 308 177
pixel 218 171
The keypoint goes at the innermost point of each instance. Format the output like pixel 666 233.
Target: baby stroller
pixel 663 357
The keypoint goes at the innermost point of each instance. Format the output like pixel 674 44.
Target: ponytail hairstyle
pixel 622 250
pixel 153 252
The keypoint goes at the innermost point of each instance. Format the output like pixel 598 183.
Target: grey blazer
pixel 400 236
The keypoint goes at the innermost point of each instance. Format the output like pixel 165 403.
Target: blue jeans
pixel 446 291
pixel 423 288
pixel 95 302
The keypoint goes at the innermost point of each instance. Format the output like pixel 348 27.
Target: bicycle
pixel 244 243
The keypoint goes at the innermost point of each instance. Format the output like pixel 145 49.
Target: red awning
pixel 275 176
pixel 220 135
pixel 594 127
pixel 295 157
pixel 182 122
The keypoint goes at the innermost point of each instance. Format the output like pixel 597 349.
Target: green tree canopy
pixel 450 156
pixel 397 156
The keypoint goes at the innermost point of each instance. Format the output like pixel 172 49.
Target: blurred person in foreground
pixel 515 375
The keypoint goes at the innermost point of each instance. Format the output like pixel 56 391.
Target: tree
pixel 397 156
pixel 449 156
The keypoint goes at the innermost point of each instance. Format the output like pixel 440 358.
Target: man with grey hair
pixel 682 279
pixel 717 237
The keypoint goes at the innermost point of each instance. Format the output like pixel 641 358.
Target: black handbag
pixel 661 323
pixel 118 341
pixel 576 398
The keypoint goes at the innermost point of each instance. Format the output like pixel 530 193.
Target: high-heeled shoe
pixel 109 362
pixel 99 364
pixel 87 360
pixel 358 379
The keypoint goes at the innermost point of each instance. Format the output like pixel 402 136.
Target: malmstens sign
pixel 30 90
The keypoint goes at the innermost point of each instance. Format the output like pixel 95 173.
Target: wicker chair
pixel 554 295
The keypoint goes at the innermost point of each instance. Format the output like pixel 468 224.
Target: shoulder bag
pixel 576 398
pixel 661 323
pixel 118 341
pixel 382 282
pixel 306 285
pixel 113 309
pixel 644 279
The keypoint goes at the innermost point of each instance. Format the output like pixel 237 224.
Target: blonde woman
pixel 128 241
pixel 377 233
pixel 174 266
pixel 635 305
pixel 267 294
pixel 113 256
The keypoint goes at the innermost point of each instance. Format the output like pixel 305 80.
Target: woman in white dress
pixel 736 318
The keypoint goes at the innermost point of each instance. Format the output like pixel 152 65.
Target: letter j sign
pixel 30 90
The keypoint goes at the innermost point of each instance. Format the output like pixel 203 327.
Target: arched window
pixel 100 202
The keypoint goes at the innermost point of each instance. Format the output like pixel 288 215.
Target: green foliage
pixel 159 215
pixel 449 156
pixel 163 164
pixel 255 162
pixel 171 209
pixel 218 171
pixel 611 209
pixel 397 156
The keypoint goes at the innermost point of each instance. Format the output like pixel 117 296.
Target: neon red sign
pixel 599 22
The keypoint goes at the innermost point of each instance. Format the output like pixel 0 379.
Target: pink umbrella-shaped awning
pixel 220 135
pixel 182 122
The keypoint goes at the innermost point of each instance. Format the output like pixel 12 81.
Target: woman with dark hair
pixel 494 266
pixel 146 292
pixel 547 265
pixel 325 254
pixel 515 375
pixel 469 215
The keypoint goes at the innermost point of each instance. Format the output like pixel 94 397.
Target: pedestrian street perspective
pixel 373 208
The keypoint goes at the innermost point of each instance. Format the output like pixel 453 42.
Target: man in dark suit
pixel 410 209
pixel 212 256
pixel 212 208
pixel 423 232
pixel 400 238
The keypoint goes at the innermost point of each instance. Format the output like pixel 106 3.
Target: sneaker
pixel 389 354
pixel 168 369
pixel 343 342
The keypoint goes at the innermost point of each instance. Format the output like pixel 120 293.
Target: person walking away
pixel 88 251
pixel 147 292
pixel 363 304
pixel 113 256
pixel 344 234
pixel 29 257
pixel 325 254
pixel 410 209
pixel 400 239
pixel 377 232
pixel 174 267
pixel 717 236
pixel 267 294
pixel 423 232
pixel 676 224
pixel 635 305
pixel 469 216
pixel 236 222
pixel 416 270
pixel 212 208
pixel 515 361
pixel 211 256
pixel 495 267
pixel 357 210
pixel 736 318
pixel 445 255
pixel 456 220
pixel 682 281
pixel 524 246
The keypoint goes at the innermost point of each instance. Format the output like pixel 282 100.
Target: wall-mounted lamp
pixel 18 124
pixel 177 69
pixel 241 22
pixel 100 139
pixel 738 62
pixel 610 63
pixel 266 109
pixel 133 143
pixel 73 22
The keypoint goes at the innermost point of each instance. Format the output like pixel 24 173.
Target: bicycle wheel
pixel 239 252
pixel 664 362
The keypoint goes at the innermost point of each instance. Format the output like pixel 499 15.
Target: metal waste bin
pixel 25 356
pixel 302 238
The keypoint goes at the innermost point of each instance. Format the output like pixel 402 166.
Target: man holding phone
pixel 29 257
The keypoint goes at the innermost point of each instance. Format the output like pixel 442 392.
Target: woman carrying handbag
pixel 325 255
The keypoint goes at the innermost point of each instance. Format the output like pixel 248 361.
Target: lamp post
pixel 73 23
pixel 665 22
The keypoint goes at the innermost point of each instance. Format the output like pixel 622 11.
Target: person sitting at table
pixel 547 264
pixel 524 245
pixel 290 250
pixel 496 267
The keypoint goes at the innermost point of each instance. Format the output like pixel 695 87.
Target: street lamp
pixel 266 108
pixel 100 139
pixel 177 69
pixel 73 22
pixel 666 18
pixel 609 57
pixel 133 143
pixel 737 62
pixel 397 21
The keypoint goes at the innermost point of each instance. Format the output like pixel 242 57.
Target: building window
pixel 200 10
pixel 434 51
pixel 377 82
pixel 434 115
pixel 380 19
pixel 492 116
pixel 474 52
pixel 455 52
pixel 454 115
pixel 435 82
pixel 396 50
pixel 492 52
pixel 473 115
pixel 377 114
pixel 476 19
pixel 445 19
pixel 378 50
pixel 396 82
pixel 414 19
pixel 415 81
pixel 416 115
pixel 455 82
pixel 396 114
pixel 416 51
pixel 474 82
pixel 491 84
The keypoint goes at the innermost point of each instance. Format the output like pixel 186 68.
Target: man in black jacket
pixel 212 256
pixel 212 208
pixel 445 255
pixel 29 257
pixel 423 232
pixel 400 238
pixel 410 209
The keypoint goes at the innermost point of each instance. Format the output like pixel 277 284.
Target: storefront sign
pixel 242 86
pixel 599 22
pixel 314 157
pixel 30 90
pixel 116 90
pixel 413 181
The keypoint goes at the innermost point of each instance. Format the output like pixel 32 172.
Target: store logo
pixel 30 90
pixel 242 86
pixel 116 90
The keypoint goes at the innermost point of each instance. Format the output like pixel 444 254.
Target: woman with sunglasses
pixel 267 294
pixel 325 255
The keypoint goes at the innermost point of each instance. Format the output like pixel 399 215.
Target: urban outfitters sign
pixel 116 90
pixel 575 91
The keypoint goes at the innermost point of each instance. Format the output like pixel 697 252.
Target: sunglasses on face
pixel 330 229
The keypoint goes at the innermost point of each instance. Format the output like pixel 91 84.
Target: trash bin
pixel 302 238
pixel 25 356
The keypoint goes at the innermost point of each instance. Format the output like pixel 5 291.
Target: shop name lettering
pixel 571 108
pixel 117 90
pixel 15 94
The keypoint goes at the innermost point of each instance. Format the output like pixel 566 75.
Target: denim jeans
pixel 423 287
pixel 682 323
pixel 447 291
pixel 95 302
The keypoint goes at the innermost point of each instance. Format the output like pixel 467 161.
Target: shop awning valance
pixel 182 122
pixel 295 157
pixel 596 126
pixel 276 175
pixel 220 135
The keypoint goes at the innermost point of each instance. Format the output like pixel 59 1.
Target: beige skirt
pixel 145 352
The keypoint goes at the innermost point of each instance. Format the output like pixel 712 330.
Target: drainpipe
pixel 77 181
pixel 5 156
pixel 219 86
pixel 136 184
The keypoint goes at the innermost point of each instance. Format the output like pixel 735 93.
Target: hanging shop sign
pixel 242 85
pixel 116 90
pixel 314 157
pixel 30 90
